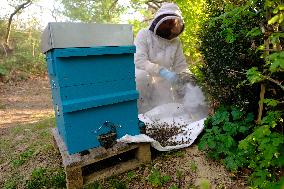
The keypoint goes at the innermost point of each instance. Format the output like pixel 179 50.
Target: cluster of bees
pixel 166 134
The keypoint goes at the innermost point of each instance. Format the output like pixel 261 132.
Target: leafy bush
pixel 228 53
pixel 26 58
pixel 231 136
pixel 223 130
pixel 242 49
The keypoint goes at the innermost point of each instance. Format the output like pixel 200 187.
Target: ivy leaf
pixel 254 76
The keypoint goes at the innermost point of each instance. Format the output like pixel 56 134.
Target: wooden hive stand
pixel 99 163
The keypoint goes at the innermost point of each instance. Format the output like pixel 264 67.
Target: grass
pixel 29 157
pixel 174 153
pixel 48 178
pixel 30 160
pixel 23 157
pixel 193 166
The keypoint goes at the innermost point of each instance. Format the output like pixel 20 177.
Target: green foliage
pixel 231 136
pixel 44 178
pixel 271 102
pixel 25 58
pixel 174 153
pixel 95 185
pixel 263 149
pixel 254 76
pixel 223 130
pixel 173 187
pixel 10 184
pixel 156 179
pixel 194 15
pixel 204 184
pixel 117 184
pixel 103 11
pixel 130 176
pixel 23 157
pixel 193 166
pixel 276 62
pixel 227 46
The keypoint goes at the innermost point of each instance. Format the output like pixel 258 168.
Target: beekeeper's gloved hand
pixel 168 75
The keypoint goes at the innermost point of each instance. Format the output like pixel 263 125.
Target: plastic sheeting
pixel 172 114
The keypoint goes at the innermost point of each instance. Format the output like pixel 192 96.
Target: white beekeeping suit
pixel 155 54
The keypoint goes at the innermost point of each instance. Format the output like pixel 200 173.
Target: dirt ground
pixel 29 102
pixel 24 102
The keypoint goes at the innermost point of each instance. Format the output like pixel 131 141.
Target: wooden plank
pixel 74 177
pixel 74 164
pixel 115 170
pixel 96 156
pixel 143 153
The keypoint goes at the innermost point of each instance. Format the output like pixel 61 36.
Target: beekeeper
pixel 159 58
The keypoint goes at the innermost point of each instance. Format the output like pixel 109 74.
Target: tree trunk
pixel 261 99
pixel 17 9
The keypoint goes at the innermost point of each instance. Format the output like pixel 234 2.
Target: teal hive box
pixel 92 79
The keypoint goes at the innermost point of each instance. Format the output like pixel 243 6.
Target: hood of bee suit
pixel 166 12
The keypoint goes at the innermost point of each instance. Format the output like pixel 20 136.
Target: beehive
pixel 92 78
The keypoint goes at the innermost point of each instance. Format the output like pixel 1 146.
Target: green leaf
pixel 281 7
pixel 277 65
pixel 236 113
pixel 277 141
pixel 3 71
pixel 281 18
pixel 220 116
pixel 275 11
pixel 211 143
pixel 243 129
pixel 254 76
pixel 271 102
pixel 165 179
pixel 271 117
pixel 249 118
pixel 229 35
pixel 254 32
pixel 274 19
pixel 155 178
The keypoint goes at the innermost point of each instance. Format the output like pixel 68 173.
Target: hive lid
pixel 68 34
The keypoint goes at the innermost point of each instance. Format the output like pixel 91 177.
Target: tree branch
pixel 274 81
pixel 20 7
pixel 112 5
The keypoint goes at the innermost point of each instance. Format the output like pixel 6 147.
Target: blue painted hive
pixel 92 82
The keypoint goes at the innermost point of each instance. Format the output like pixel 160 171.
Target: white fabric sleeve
pixel 141 57
pixel 180 64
